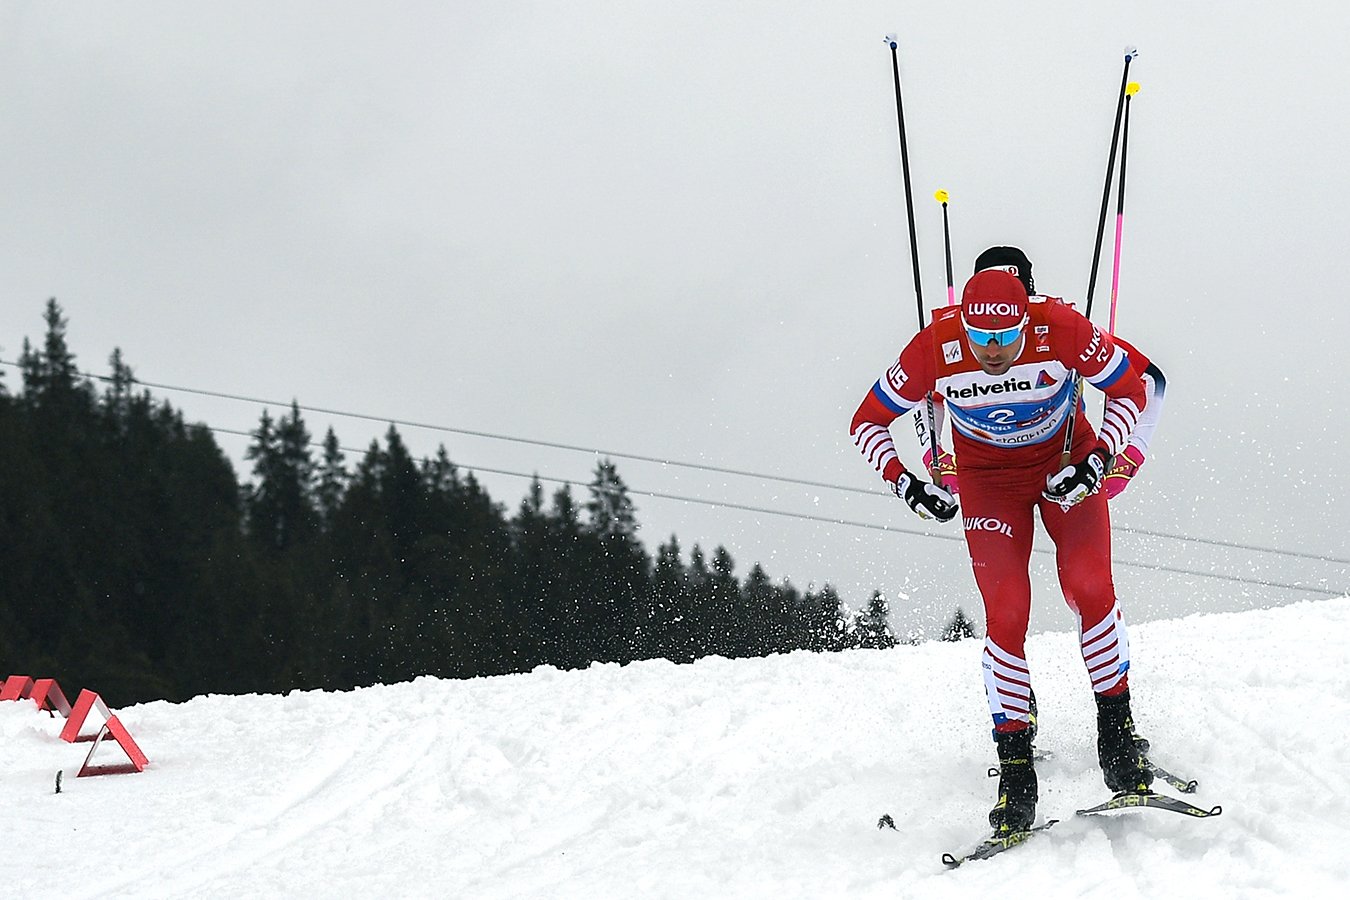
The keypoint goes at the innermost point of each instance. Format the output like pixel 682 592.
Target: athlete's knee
pixel 1090 594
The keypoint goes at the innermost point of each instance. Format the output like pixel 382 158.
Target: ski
pixel 1126 800
pixel 1176 781
pixel 994 845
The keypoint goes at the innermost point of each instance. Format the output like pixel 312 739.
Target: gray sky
pixel 677 230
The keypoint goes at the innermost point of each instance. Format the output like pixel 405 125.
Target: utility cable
pixel 723 504
pixel 763 476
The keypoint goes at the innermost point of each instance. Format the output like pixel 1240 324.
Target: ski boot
pixel 1118 748
pixel 1140 741
pixel 1017 788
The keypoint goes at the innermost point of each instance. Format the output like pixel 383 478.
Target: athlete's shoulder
pixel 912 373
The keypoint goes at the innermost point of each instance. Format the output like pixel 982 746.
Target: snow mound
pixel 745 778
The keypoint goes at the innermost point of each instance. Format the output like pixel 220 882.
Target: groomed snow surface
pixel 745 778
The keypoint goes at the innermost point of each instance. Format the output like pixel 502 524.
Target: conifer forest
pixel 136 561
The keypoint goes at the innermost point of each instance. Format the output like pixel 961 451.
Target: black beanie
pixel 1010 259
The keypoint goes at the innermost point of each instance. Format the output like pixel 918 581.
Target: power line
pixel 553 445
pixel 764 476
pixel 725 471
pixel 846 522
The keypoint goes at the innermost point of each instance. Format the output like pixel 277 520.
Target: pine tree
pixel 726 607
pixel 118 398
pixel 529 622
pixel 263 497
pixel 661 619
pixel 611 509
pixel 51 377
pixel 440 475
pixel 572 590
pixel 401 491
pixel 295 471
pixel 959 627
pixel 332 480
pixel 873 626
pixel 768 619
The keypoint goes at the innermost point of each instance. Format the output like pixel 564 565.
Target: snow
pixel 744 778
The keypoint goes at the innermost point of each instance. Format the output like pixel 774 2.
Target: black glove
pixel 1075 483
pixel 928 500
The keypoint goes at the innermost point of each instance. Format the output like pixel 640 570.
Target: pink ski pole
pixel 1130 91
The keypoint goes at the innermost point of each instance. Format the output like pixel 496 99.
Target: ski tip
pixel 893 40
pixel 950 861
pixel 942 197
pixel 1132 88
pixel 1131 51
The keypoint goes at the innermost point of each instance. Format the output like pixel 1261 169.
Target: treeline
pixel 134 561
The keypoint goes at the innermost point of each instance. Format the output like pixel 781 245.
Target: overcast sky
pixel 677 230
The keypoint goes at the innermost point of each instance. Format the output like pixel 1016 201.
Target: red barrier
pixel 88 700
pixel 136 759
pixel 17 687
pixel 47 694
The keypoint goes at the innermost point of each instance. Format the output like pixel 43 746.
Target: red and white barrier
pixel 47 694
pixel 113 728
pixel 17 687
pixel 87 702
pixel 104 727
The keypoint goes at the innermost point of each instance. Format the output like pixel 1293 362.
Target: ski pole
pixel 1130 91
pixel 1130 53
pixel 921 425
pixel 942 197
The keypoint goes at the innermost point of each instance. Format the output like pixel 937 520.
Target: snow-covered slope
pixel 749 778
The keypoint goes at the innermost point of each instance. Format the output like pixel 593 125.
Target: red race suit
pixel 1007 432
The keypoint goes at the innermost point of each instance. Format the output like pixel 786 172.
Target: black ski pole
pixel 1130 54
pixel 921 426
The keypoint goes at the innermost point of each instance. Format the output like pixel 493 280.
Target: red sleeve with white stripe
pixel 1103 364
pixel 903 387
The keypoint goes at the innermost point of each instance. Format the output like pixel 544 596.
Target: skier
pixel 1126 465
pixel 1005 364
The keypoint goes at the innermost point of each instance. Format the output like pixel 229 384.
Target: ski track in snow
pixel 745 778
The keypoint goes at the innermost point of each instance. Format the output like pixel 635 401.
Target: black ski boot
pixel 1140 741
pixel 1017 789
pixel 1118 748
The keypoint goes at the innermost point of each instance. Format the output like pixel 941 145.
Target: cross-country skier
pixel 1005 365
pixel 1012 259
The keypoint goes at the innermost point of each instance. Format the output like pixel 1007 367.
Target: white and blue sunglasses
pixel 1003 337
